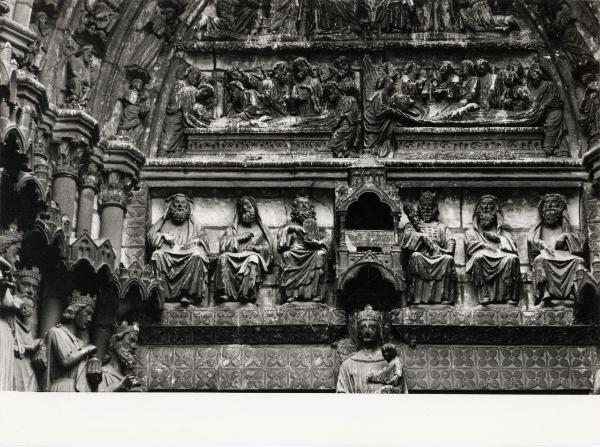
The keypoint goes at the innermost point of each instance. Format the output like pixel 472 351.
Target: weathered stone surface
pixel 428 368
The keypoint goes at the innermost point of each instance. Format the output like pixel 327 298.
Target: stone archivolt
pixel 361 196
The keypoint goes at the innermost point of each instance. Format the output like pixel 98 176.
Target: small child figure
pixel 390 374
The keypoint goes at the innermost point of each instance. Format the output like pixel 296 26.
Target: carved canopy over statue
pixel 246 253
pixel 492 254
pixel 373 369
pixel 555 252
pixel 180 252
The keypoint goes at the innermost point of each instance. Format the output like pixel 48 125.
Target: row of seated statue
pixel 181 254
pixel 369 17
pixel 555 253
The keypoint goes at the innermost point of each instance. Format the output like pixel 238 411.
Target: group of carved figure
pixel 555 253
pixel 62 360
pixel 181 254
pixel 319 18
pixel 327 97
pixel 412 94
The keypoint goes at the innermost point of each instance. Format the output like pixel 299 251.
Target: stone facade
pixel 333 196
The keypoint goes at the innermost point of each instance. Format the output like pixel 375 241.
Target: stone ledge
pixel 417 41
pixel 314 368
pixel 462 316
pixel 250 315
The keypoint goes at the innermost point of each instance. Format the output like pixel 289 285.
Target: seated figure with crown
pixel 357 371
pixel 120 359
pixel 68 353
pixel 430 246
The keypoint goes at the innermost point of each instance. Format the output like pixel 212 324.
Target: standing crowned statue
pixel 24 352
pixel 180 256
pixel 68 352
pixel 246 253
pixel 304 248
pixel 492 254
pixel 431 249
pixel 555 251
pixel 373 369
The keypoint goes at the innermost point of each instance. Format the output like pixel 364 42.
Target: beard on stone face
pixel 179 215
pixel 125 356
pixel 551 216
pixel 248 216
pixel 486 218
pixel 300 213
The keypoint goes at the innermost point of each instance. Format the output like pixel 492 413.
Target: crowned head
pixel 427 208
pixel 80 309
pixel 123 344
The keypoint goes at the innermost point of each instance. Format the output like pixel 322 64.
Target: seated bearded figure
pixel 180 256
pixel 120 359
pixel 431 249
pixel 246 252
pixel 492 254
pixel 304 248
pixel 555 251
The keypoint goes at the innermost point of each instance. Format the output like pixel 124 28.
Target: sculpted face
pixel 280 72
pixel 535 77
pixel 427 209
pixel 12 253
pixel 552 210
pixel 302 209
pixel 28 287
pixel 137 84
pixel 446 68
pixel 466 67
pixel 332 95
pixel 368 332
pixel 487 213
pixel 481 67
pixel 301 70
pixel 84 317
pixel 343 67
pixel 325 73
pixel 86 55
pixel 246 212
pixel 179 210
pixel 235 92
pixel 125 349
pixel 389 353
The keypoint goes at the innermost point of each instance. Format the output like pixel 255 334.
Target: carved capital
pixel 115 189
pixel 67 156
